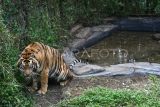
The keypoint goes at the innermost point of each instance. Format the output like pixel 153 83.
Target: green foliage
pixel 102 97
pixel 31 20
pixel 93 11
pixel 154 86
pixel 11 15
pixel 11 92
pixel 157 8
pixel 48 21
pixel 41 27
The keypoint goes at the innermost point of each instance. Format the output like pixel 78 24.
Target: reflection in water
pixel 123 47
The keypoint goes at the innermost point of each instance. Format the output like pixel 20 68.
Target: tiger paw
pixel 31 90
pixel 63 83
pixel 42 91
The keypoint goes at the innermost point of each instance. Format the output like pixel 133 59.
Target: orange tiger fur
pixel 44 62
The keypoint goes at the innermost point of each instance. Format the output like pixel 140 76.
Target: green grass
pixel 11 92
pixel 41 28
pixel 103 97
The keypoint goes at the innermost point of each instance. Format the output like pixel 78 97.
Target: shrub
pixel 103 97
pixel 11 92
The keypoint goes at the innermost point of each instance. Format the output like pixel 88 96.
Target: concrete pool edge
pixel 97 33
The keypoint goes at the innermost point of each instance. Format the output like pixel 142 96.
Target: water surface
pixel 123 47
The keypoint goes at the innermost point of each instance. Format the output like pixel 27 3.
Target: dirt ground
pixel 57 93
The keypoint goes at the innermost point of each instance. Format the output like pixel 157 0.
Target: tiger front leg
pixel 34 86
pixel 67 80
pixel 44 82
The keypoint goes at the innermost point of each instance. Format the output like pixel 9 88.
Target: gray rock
pixel 156 36
pixel 75 29
pixel 68 56
pixel 143 68
pixel 109 20
pixel 84 33
pixel 103 28
pixel 77 43
pixel 85 69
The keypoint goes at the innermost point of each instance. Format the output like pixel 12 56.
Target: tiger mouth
pixel 28 76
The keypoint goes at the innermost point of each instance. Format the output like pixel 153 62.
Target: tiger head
pixel 28 63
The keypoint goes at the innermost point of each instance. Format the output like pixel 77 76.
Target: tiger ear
pixel 35 50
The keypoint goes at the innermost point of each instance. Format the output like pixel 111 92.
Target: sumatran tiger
pixel 41 62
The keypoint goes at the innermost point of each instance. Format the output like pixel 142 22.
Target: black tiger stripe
pixel 57 67
pixel 73 63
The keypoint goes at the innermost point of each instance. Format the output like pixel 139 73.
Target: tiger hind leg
pixel 65 82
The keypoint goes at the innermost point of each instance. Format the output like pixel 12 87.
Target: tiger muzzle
pixel 27 73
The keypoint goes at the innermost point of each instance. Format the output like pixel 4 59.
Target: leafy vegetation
pixel 48 21
pixel 11 91
pixel 102 97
